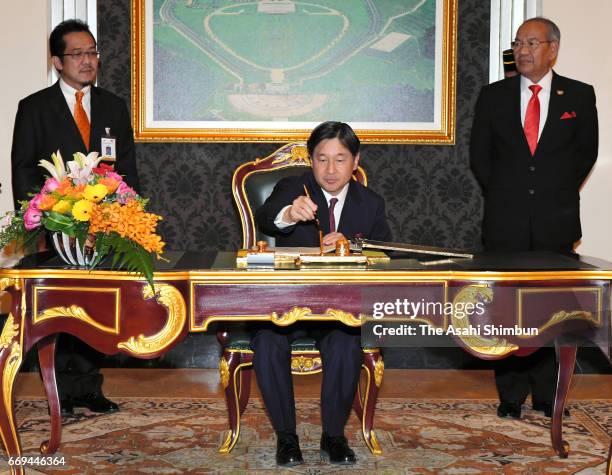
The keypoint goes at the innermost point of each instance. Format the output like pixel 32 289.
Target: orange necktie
pixel 80 117
pixel 532 118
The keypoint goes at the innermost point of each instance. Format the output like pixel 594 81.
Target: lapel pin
pixel 560 92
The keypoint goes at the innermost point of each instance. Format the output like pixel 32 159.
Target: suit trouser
pixel 341 355
pixel 516 376
pixel 77 368
pixel 77 365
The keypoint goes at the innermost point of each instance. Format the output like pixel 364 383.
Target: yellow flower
pixel 62 206
pixel 82 210
pixel 95 193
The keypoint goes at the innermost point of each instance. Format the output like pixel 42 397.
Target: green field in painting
pixel 241 60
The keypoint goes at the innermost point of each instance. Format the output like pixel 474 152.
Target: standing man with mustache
pixel 534 141
pixel 72 116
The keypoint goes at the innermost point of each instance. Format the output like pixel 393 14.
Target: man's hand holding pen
pixel 302 209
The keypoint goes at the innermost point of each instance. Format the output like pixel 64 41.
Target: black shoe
pixel 67 408
pixel 336 450
pixel 547 408
pixel 95 403
pixel 511 409
pixel 288 451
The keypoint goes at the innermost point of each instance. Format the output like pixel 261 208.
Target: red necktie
pixel 80 117
pixel 532 118
pixel 332 218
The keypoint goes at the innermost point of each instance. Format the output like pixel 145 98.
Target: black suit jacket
pixel 533 199
pixel 44 124
pixel 363 213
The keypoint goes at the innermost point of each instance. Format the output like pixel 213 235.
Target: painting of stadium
pixel 270 70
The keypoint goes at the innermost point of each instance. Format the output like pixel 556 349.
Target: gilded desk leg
pixel 357 406
pixel 46 357
pixel 11 356
pixel 231 366
pixel 244 390
pixel 374 367
pixel 567 360
pixel 609 468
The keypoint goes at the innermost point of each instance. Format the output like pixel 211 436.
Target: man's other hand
pixel 331 238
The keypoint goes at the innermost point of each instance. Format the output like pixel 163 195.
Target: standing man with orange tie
pixel 72 116
pixel 534 141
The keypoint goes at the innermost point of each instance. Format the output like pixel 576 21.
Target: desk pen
pixel 316 221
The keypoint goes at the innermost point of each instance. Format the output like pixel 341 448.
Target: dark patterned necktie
pixel 332 218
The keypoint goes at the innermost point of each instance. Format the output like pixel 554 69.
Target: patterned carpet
pixel 180 436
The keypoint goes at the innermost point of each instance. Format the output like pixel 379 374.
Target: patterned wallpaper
pixel 431 196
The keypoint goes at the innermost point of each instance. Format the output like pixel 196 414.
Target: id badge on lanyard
pixel 108 146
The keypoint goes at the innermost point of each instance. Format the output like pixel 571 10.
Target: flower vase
pixel 72 252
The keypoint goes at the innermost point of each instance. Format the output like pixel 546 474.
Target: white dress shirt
pixel 543 96
pixel 280 224
pixel 70 96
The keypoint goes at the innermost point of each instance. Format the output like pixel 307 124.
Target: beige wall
pixel 23 50
pixel 585 56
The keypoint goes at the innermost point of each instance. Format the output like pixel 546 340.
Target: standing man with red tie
pixel 534 141
pixel 72 116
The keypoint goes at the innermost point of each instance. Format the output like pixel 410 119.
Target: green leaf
pixel 58 222
pixel 127 255
pixel 81 231
pixel 102 248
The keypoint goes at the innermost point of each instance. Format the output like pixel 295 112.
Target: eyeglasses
pixel 82 54
pixel 532 44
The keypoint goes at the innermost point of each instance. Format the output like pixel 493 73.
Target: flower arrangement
pixel 89 202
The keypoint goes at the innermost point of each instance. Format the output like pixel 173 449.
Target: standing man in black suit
pixel 72 116
pixel 345 209
pixel 534 141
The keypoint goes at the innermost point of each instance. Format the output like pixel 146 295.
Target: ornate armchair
pixel 252 183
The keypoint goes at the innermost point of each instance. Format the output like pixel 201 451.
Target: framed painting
pixel 270 70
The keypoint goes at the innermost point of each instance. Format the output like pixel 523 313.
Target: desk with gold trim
pixel 117 312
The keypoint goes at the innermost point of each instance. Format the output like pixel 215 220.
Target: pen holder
pixel 342 247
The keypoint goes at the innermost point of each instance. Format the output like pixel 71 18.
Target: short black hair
pixel 332 130
pixel 57 44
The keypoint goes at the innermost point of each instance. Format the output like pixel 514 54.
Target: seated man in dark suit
pixel 345 209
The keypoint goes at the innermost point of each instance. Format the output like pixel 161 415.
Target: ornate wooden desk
pixel 116 312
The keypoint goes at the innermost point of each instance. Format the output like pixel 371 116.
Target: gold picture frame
pixel 148 128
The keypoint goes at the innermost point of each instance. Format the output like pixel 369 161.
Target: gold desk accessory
pixel 341 256
pixel 261 254
pixel 286 257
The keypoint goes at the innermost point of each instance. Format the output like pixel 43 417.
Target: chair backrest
pixel 253 182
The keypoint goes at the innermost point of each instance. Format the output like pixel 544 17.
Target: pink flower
pixel 31 218
pixel 125 193
pixel 114 176
pixel 50 185
pixel 35 202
